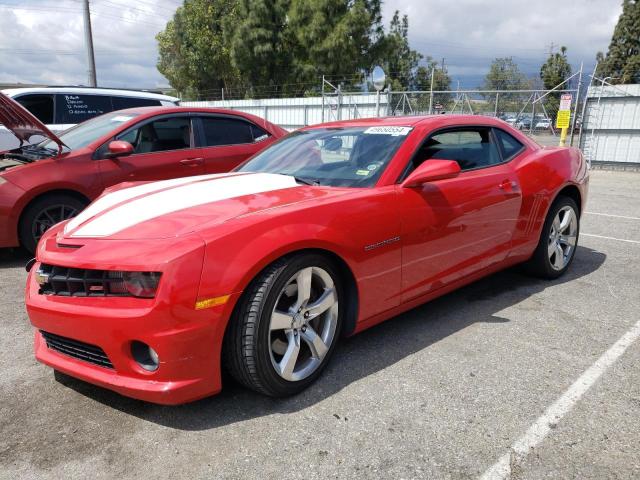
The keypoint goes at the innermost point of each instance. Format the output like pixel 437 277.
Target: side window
pixel 40 106
pixel 225 131
pixel 258 133
pixel 71 108
pixel 165 134
pixel 120 103
pixel 470 147
pixel 510 146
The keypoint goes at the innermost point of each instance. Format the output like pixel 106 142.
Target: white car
pixel 542 123
pixel 60 108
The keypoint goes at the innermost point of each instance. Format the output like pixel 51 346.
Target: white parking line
pixel 552 415
pixel 613 216
pixel 609 238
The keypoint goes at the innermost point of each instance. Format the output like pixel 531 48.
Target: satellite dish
pixel 378 78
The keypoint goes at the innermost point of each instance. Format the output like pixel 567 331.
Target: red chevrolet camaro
pixel 44 183
pixel 156 287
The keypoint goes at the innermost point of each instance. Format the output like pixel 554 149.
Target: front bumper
pixel 188 341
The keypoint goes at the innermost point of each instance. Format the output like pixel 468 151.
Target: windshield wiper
pixel 39 148
pixel 306 181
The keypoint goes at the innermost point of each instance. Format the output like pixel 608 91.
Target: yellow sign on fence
pixel 563 118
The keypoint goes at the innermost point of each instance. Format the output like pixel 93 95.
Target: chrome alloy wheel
pixel 303 323
pixel 48 217
pixel 563 236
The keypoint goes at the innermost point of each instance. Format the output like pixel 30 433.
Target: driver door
pixel 455 227
pixel 163 149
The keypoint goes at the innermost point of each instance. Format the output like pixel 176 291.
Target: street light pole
pixel 88 40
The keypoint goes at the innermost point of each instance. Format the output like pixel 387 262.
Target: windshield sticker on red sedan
pixel 121 118
pixel 393 131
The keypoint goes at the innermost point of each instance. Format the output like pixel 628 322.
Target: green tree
pixel 333 38
pixel 553 72
pixel 504 74
pixel 261 46
pixel 622 61
pixel 193 53
pixel 397 57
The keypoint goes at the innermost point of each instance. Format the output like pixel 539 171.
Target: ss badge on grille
pixel 41 277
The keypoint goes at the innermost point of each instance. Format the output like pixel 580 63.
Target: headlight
pixel 137 284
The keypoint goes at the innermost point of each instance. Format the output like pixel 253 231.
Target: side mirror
pixel 430 171
pixel 119 148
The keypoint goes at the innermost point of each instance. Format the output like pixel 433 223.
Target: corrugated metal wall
pixel 611 126
pixel 294 113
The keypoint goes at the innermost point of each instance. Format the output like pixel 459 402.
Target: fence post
pixel 584 103
pixel 495 113
pixel 306 120
pixel 575 106
pixel 433 71
pixel 322 113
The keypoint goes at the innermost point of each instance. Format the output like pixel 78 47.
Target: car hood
pixel 22 123
pixel 177 207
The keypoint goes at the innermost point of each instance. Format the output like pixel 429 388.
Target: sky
pixel 42 41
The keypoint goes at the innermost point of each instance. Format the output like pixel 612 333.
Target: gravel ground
pixel 442 391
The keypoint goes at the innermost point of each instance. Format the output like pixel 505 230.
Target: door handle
pixel 192 162
pixel 508 185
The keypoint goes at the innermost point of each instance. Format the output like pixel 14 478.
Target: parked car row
pixel 524 122
pixel 44 183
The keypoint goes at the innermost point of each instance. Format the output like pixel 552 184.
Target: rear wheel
pixel 44 213
pixel 558 240
pixel 286 326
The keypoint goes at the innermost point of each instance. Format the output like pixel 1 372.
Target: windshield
pixel 340 157
pixel 86 132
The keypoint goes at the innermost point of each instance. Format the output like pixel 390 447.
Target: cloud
pixel 41 41
pixel 470 33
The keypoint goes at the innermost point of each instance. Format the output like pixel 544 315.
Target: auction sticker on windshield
pixel 393 131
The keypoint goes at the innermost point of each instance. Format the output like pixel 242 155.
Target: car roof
pixel 12 92
pixel 166 109
pixel 412 121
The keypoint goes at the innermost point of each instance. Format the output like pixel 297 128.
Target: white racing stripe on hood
pixel 167 198
pixel 111 199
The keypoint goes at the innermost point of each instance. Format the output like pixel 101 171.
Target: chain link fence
pixel 532 111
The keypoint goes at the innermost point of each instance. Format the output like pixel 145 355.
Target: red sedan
pixel 48 182
pixel 156 287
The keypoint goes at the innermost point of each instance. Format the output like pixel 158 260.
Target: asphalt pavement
pixel 509 377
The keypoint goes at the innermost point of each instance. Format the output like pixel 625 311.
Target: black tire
pixel 247 351
pixel 540 263
pixel 67 206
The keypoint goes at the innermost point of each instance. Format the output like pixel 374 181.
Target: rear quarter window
pixel 510 146
pixel 71 108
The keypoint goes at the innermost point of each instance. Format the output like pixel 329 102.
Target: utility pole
pixel 88 40
pixel 552 47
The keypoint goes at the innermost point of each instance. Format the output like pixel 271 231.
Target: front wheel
pixel 286 326
pixel 558 240
pixel 44 213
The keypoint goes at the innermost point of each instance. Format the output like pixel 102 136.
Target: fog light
pixel 144 355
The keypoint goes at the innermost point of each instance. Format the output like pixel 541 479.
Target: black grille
pixel 74 348
pixel 79 282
